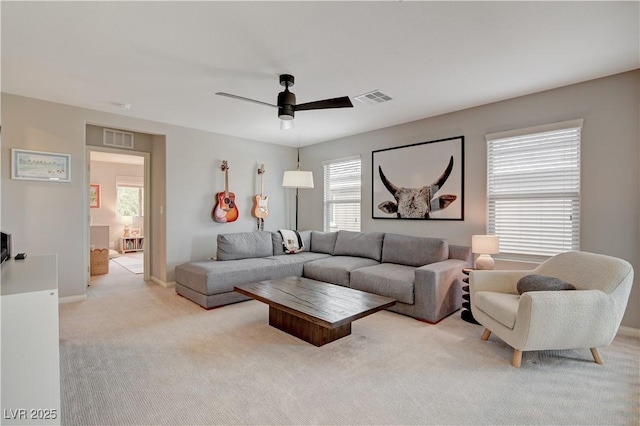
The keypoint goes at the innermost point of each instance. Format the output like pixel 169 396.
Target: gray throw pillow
pixel 535 282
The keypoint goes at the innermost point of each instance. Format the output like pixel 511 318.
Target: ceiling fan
pixel 287 106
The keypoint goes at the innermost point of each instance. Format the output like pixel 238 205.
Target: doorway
pixel 119 193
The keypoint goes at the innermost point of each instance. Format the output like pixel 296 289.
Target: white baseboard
pixel 72 299
pixel 82 298
pixel 163 283
pixel 629 331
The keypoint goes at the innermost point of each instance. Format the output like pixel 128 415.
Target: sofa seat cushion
pixel 413 251
pixel 503 306
pixel 386 279
pixel 214 277
pixel 335 269
pixel 297 258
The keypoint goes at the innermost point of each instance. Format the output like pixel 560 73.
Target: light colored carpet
pixel 131 261
pixel 118 281
pixel 148 356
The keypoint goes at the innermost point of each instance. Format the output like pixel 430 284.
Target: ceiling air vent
pixel 374 97
pixel 117 139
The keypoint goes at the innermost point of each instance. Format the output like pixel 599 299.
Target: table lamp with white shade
pixel 485 246
pixel 126 221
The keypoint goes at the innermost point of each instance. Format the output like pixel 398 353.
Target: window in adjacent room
pixel 342 182
pixel 130 196
pixel 533 190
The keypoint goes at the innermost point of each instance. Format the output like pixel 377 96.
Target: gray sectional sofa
pixel 423 274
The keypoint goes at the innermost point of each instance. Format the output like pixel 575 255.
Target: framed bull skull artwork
pixel 421 181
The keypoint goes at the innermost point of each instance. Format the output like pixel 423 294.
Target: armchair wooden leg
pixel 596 356
pixel 486 334
pixel 517 358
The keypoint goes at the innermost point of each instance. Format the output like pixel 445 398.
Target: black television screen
pixel 5 246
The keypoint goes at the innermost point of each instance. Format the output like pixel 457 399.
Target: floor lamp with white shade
pixel 297 179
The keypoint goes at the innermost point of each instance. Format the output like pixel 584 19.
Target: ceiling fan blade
pixel 343 102
pixel 242 98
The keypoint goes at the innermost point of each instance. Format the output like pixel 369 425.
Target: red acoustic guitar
pixel 226 209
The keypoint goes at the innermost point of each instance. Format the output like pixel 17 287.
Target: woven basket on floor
pixel 99 261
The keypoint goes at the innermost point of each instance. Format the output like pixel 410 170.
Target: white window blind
pixel 533 190
pixel 342 182
pixel 135 181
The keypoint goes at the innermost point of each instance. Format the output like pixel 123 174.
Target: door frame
pixel 146 229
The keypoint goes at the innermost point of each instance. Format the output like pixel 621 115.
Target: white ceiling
pixel 167 59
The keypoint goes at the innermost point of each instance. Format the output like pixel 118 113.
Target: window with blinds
pixel 533 190
pixel 342 182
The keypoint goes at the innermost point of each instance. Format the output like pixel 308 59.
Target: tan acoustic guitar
pixel 260 201
pixel 226 209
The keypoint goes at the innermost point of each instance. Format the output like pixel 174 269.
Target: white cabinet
pixel 30 374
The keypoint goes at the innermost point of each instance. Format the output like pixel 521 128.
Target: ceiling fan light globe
pixel 286 124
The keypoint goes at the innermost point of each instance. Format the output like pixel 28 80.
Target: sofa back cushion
pixel 243 245
pixel 413 251
pixel 323 242
pixel 359 244
pixel 461 253
pixel 278 248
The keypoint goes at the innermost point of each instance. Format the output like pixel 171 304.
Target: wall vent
pixel 117 139
pixel 373 97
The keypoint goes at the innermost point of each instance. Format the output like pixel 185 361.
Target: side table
pixel 466 305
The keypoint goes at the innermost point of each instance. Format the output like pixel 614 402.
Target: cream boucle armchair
pixel 588 317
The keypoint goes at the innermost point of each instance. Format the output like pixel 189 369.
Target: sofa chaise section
pixel 243 258
pixel 210 283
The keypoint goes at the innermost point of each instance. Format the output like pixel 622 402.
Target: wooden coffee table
pixel 314 311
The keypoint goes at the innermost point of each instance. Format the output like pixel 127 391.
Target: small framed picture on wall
pixel 94 195
pixel 40 165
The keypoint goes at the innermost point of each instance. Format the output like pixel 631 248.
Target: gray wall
pixel 49 217
pixel 610 179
